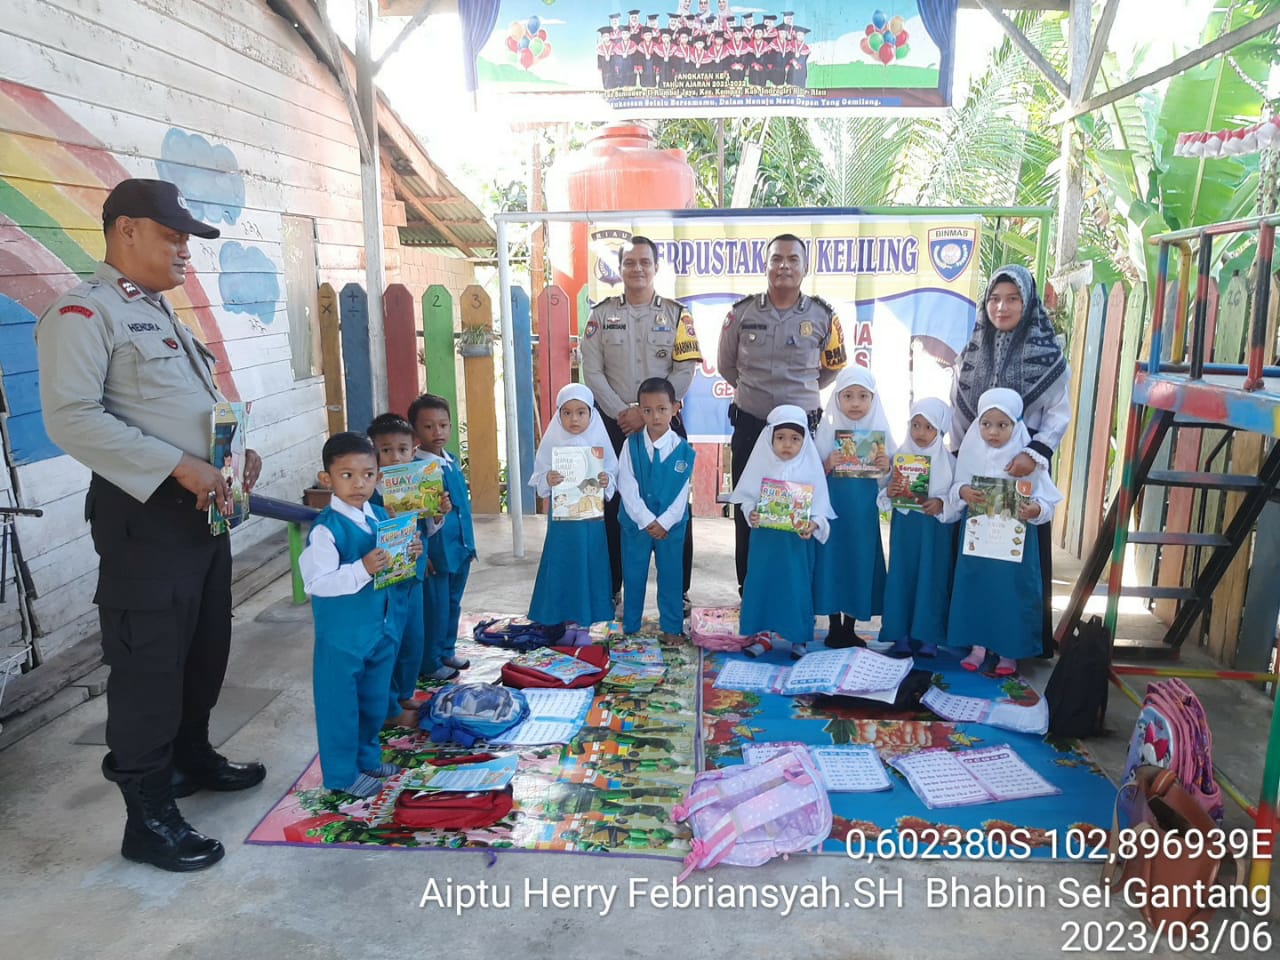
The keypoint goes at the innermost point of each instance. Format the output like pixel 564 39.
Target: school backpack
pixel 1172 732
pixel 466 712
pixel 1077 688
pixel 452 809
pixel 523 675
pixel 746 816
pixel 716 628
pixel 517 633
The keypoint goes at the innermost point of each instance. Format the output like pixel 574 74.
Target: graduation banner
pixel 904 288
pixel 584 59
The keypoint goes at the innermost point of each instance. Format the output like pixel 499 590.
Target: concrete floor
pixel 65 891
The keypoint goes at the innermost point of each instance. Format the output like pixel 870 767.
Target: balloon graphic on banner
pixel 878 19
pixel 527 41
pixel 886 38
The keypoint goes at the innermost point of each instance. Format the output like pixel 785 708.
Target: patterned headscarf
pixel 1027 359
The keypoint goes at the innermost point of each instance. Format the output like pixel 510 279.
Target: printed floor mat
pixel 609 790
pixel 897 822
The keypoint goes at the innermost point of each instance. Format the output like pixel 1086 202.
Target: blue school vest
pixel 341 619
pixel 660 481
pixel 454 544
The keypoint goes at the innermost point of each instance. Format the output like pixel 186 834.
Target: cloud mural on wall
pixel 207 174
pixel 249 282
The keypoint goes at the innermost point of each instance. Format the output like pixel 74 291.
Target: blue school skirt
pixel 573 581
pixel 917 592
pixel 997 605
pixel 777 595
pixel 849 572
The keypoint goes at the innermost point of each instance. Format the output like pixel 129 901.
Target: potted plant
pixel 475 342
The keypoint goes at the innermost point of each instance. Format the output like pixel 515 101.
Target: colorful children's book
pixel 579 496
pixel 946 778
pixel 561 667
pixel 913 470
pixel 993 529
pixel 484 775
pixel 394 536
pixel 846 768
pixel 784 504
pixel 227 445
pixel 856 451
pixel 417 486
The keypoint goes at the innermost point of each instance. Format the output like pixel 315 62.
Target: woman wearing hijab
pixel 1015 346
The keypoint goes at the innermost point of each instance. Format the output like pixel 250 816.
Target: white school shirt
pixel 629 489
pixel 323 572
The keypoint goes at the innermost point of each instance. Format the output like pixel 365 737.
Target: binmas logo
pixel 951 249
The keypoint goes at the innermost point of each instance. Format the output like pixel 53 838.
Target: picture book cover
pixel 856 452
pixel 911 469
pixel 559 666
pixel 993 530
pixel 578 496
pixel 784 504
pixel 227 445
pixel 394 536
pixel 417 486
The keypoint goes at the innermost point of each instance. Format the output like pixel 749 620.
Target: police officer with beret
pixel 776 347
pixel 128 391
pixel 627 340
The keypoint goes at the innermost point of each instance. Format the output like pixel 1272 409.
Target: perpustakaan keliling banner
pixel 584 59
pixel 904 289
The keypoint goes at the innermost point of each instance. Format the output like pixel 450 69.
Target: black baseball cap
pixel 157 200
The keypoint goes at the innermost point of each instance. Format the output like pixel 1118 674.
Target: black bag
pixel 913 686
pixel 1077 690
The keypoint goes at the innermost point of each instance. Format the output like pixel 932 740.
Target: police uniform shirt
pixel 771 357
pixel 624 344
pixel 126 388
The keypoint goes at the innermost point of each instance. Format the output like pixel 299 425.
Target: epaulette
pixel 749 297
pixel 822 303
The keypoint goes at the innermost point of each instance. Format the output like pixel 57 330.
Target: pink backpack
pixel 1172 732
pixel 746 816
pixel 716 628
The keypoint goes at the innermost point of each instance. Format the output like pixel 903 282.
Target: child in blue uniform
pixel 358 628
pixel 917 593
pixel 777 595
pixel 450 548
pixel 392 438
pixel 849 570
pixel 1011 627
pixel 653 480
pixel 572 585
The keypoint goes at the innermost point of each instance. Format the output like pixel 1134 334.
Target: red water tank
pixel 619 169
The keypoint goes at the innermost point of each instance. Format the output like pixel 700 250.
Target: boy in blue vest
pixel 450 549
pixel 358 628
pixel 654 472
pixel 392 438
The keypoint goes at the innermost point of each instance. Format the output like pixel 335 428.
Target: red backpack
pixel 449 809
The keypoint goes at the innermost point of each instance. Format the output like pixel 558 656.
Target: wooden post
pixel 1134 323
pixel 523 347
pixel 1071 184
pixel 482 413
pixel 335 407
pixel 438 350
pixel 371 208
pixel 1065 461
pixel 555 363
pixel 1104 417
pixel 1093 329
pixel 354 307
pixel 402 348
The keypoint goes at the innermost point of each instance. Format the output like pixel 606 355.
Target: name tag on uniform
pixel 614 323
pixel 755 326
pixel 144 327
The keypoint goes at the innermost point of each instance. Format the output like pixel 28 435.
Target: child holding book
pixel 777 595
pixel 358 628
pixel 1012 626
pixel 654 474
pixel 450 548
pixel 849 573
pixel 572 585
pixel 922 535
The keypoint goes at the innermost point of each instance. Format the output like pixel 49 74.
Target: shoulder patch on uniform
pixel 79 308
pixel 591 329
pixel 747 299
pixel 822 303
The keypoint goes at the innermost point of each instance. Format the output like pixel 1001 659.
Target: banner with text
pixel 905 290
pixel 577 60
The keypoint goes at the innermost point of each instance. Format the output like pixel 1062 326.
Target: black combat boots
pixel 156 832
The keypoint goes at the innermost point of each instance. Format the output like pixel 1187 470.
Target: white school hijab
pixel 557 436
pixel 941 463
pixel 804 467
pixel 978 459
pixel 834 418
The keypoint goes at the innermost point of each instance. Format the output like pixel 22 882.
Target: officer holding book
pixel 777 347
pixel 128 390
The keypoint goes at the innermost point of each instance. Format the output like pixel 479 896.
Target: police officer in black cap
pixel 128 390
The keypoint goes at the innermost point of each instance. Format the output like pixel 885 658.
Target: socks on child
pixel 1006 667
pixel 975 659
pixel 458 663
pixel 364 786
pixel 798 650
pixel 441 673
pixel 383 770
pixel 901 649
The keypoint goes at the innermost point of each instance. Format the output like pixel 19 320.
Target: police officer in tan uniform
pixel 128 391
pixel 627 340
pixel 776 347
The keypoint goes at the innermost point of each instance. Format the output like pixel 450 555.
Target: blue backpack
pixel 466 712
pixel 517 633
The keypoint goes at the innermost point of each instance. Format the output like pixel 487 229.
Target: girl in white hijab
pixel 777 595
pixel 572 586
pixel 849 572
pixel 922 539
pixel 996 604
